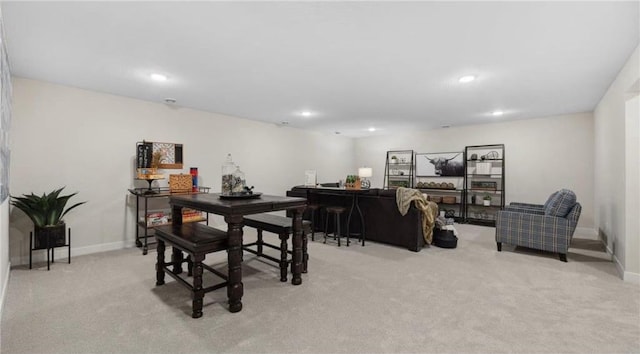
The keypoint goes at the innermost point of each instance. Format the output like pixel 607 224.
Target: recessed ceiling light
pixel 497 113
pixel 466 78
pixel 306 113
pixel 372 129
pixel 158 77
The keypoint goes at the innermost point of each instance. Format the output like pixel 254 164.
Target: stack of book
pixel 157 218
pixel 189 215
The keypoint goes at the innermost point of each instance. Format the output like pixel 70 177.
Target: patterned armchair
pixel 547 227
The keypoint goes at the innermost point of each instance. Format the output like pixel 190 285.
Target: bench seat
pixel 283 227
pixel 197 241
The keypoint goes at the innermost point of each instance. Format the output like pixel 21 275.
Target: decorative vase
pixel 227 176
pixel 55 234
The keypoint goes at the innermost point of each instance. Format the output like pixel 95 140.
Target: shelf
pixel 441 190
pixel 493 175
pixel 143 224
pixel 482 206
pixel 163 192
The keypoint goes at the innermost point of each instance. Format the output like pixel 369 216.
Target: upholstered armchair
pixel 547 227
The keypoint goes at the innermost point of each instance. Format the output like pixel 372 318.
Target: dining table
pixel 233 209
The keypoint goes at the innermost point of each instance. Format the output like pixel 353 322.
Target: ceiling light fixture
pixel 467 78
pixel 306 113
pixel 497 113
pixel 158 77
pixel 372 129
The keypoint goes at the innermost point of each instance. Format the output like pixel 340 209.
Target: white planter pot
pixel 487 202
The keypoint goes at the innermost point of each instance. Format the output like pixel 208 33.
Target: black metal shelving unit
pixel 399 172
pixel 484 178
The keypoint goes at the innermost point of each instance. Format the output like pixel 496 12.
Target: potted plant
pixel 487 200
pixel 46 212
pixel 394 159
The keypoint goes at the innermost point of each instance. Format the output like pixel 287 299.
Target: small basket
pixel 435 199
pixel 180 183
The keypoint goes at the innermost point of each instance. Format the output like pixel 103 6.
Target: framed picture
pixel 169 155
pixel 440 164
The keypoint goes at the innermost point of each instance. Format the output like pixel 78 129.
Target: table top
pixel 341 190
pixel 212 203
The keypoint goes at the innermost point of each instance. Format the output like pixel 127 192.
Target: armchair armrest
pixel 534 230
pixel 519 209
pixel 526 205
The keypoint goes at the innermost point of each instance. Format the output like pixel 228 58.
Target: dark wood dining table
pixel 233 210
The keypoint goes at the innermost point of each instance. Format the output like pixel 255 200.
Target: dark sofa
pixel 383 222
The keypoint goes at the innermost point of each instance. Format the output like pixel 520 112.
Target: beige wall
pixel 612 182
pixel 84 140
pixel 541 155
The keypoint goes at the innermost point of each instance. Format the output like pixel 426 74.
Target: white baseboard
pixel 588 233
pixel 4 291
pixel 629 277
pixel 61 252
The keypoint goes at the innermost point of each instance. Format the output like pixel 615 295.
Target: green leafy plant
pixel 487 197
pixel 45 210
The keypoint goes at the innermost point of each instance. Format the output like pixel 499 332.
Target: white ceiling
pixel 390 65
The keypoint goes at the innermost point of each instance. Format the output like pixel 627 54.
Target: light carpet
pixel 372 299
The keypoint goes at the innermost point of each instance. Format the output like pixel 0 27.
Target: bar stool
pixel 336 211
pixel 312 210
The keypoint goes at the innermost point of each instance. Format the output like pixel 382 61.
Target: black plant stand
pixel 50 248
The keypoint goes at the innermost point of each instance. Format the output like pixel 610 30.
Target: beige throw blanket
pixel 404 197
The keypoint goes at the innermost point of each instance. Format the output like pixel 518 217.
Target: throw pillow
pixel 561 204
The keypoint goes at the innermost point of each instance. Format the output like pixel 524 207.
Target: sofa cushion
pixel 561 204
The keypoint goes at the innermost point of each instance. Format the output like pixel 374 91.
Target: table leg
pixel 176 256
pixel 283 256
pixel 176 259
pixel 235 289
pixel 353 204
pixel 362 234
pixel 296 262
pixel 145 248
pixel 160 263
pixel 198 291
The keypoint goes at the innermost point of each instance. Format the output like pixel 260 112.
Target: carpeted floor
pixel 372 299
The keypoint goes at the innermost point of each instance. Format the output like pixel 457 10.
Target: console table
pixel 313 192
pixel 233 211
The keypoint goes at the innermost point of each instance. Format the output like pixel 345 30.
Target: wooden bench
pixel 197 241
pixel 282 226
